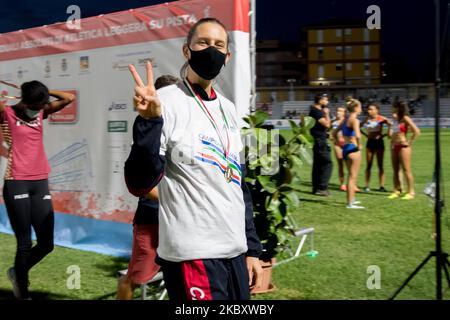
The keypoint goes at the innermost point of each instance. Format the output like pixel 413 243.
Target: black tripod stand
pixel 442 262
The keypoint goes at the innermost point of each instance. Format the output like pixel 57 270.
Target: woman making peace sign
pixel 189 133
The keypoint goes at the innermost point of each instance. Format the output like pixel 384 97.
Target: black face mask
pixel 207 63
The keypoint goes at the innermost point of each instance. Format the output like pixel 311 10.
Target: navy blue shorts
pixel 347 149
pixel 206 279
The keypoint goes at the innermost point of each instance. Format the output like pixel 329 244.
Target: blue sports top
pixel 346 131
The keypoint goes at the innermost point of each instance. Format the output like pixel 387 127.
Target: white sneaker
pixel 356 202
pixel 354 206
pixel 12 277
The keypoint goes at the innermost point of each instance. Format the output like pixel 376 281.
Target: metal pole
pixel 253 54
pixel 437 164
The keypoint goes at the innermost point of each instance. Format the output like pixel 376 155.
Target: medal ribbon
pixel 202 106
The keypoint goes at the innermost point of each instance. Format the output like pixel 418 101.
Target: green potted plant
pixel 274 160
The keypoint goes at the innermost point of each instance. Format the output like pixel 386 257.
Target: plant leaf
pixel 267 183
pixel 258 118
pixel 307 122
pixel 291 200
pixel 306 155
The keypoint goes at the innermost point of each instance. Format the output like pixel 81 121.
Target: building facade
pixel 279 64
pixel 339 53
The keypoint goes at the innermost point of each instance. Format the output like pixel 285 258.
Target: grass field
pixel 394 235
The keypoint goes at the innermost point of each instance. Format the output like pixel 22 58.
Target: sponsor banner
pixel 117 126
pixel 79 233
pixel 165 21
pixel 68 114
pixel 88 142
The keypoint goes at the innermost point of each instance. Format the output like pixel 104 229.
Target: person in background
pixel 322 165
pixel 142 266
pixel 352 149
pixel 374 124
pixel 402 148
pixel 26 192
pixel 339 144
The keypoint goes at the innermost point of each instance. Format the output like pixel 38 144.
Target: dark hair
pixel 352 104
pixel 35 93
pixel 402 108
pixel 375 104
pixel 319 96
pixel 193 29
pixel 191 33
pixel 164 81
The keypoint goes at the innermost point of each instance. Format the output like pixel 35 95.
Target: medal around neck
pixel 228 174
pixel 226 148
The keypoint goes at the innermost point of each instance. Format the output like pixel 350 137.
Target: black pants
pixel 322 165
pixel 206 279
pixel 29 204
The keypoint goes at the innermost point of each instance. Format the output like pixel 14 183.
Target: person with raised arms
pixel 25 190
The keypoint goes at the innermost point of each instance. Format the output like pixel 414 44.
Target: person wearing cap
pixel 322 165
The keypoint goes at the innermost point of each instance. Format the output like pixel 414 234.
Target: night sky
pixel 407 27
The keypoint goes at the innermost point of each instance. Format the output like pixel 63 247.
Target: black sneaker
pixel 382 189
pixel 322 193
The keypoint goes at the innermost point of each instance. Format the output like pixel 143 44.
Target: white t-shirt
pixel 201 215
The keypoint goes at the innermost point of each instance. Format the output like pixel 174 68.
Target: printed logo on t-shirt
pixel 211 153
pixel 21 196
pixel 33 123
pixel 197 293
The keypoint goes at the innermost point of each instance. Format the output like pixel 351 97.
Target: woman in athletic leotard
pixel 402 148
pixel 351 150
pixel 339 144
pixel 373 124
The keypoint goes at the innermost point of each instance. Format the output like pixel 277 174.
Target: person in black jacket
pixel 322 165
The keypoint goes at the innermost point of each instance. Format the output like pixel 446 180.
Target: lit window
pixel 366 52
pixel 348 32
pixel 319 36
pixel 366 35
pixel 320 72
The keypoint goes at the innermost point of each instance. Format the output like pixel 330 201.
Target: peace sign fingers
pixel 136 76
pixel 150 81
pixel 145 99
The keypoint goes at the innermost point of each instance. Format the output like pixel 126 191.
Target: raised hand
pixel 145 99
